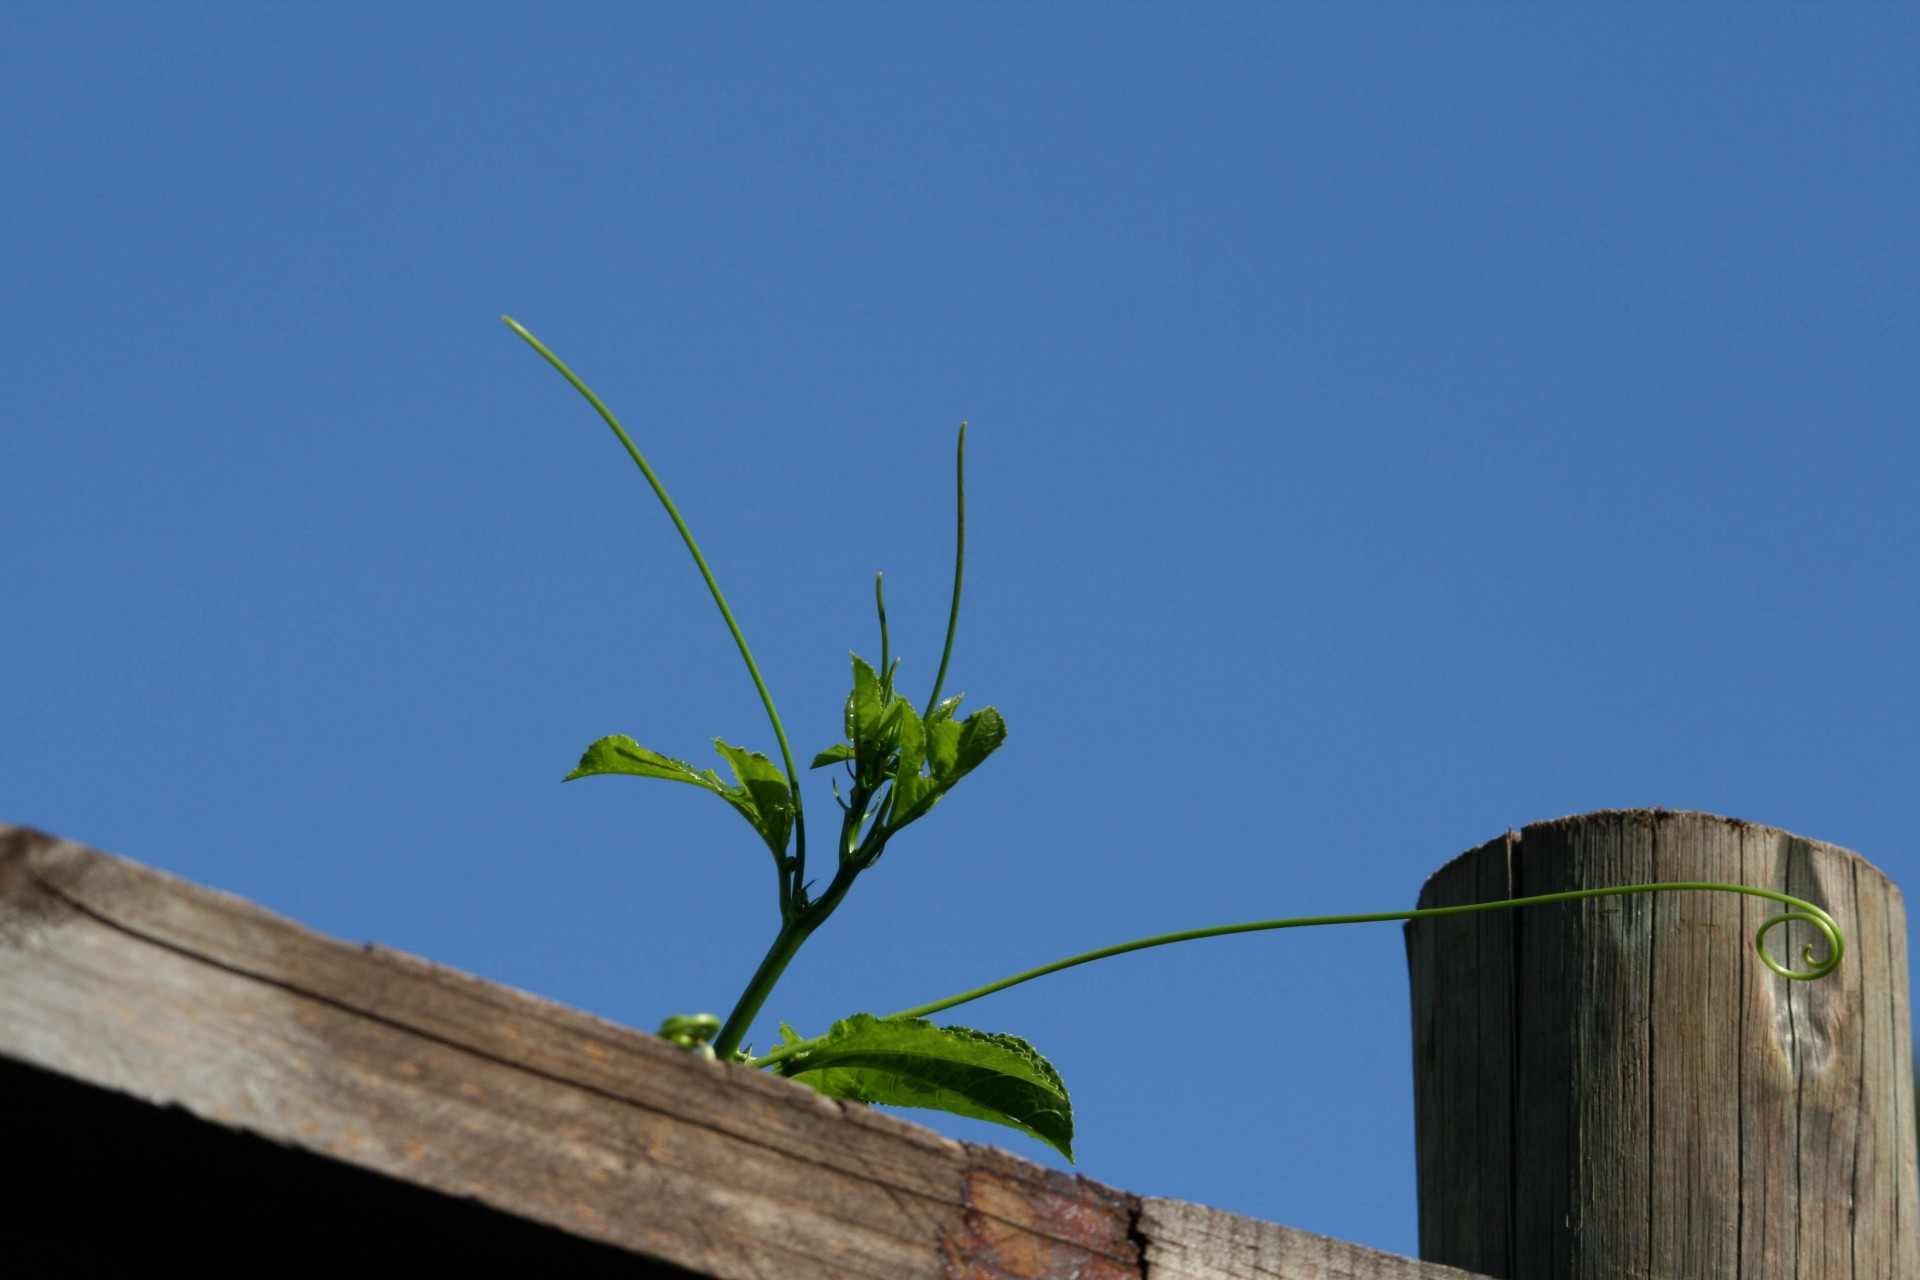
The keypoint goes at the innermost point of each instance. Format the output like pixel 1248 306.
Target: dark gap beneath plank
pixel 102 1180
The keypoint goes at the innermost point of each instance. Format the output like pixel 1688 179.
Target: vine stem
pixel 1802 910
pixel 791 880
pixel 794 931
pixel 798 925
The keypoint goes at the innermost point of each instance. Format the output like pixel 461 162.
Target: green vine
pixel 1803 911
pixel 899 761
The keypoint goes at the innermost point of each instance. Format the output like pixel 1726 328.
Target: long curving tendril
pixel 1802 910
pixel 793 871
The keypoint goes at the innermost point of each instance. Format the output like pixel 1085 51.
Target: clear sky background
pixel 1390 424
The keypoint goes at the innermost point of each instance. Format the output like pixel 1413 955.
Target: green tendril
pixel 880 605
pixel 1803 911
pixel 713 586
pixel 959 566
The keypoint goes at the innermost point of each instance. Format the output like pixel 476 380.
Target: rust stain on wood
pixel 1022 1222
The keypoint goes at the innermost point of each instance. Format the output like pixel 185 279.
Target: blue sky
pixel 1389 425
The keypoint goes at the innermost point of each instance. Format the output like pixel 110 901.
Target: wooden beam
pixel 1185 1241
pixel 124 979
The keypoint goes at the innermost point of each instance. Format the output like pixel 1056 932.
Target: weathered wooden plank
pixel 1678 1111
pixel 126 979
pixel 1192 1242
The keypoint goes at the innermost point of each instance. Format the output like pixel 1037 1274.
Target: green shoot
pixel 899 762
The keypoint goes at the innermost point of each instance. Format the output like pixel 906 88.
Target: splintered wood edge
pixel 129 979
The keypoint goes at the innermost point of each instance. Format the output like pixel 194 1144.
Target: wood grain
pixel 1192 1242
pixel 1618 1087
pixel 122 978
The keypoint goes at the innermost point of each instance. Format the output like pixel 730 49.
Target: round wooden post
pixel 1618 1088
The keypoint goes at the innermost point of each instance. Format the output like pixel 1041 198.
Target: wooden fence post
pixel 1619 1088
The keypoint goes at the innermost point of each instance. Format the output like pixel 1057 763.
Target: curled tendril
pixel 691 1031
pixel 1836 945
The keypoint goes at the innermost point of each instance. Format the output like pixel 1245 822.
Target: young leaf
pixel 913 792
pixel 865 707
pixel 980 736
pixel 621 754
pixel 943 738
pixel 762 796
pixel 909 1062
pixel 951 751
pixel 833 755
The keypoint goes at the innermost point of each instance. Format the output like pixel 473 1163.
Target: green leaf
pixel 762 797
pixel 833 755
pixel 621 754
pixel 951 751
pixel 913 792
pixel 909 1062
pixel 943 738
pixel 980 736
pixel 865 706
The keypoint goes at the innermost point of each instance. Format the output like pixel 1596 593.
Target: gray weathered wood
pixel 1192 1242
pixel 1618 1087
pixel 127 979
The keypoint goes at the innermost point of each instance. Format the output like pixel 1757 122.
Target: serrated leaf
pixel 865 706
pixel 951 751
pixel 763 797
pixel 913 792
pixel 980 736
pixel 909 1062
pixel 621 754
pixel 943 744
pixel 833 755
pixel 909 734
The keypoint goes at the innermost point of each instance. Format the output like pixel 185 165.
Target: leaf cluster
pixel 899 763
